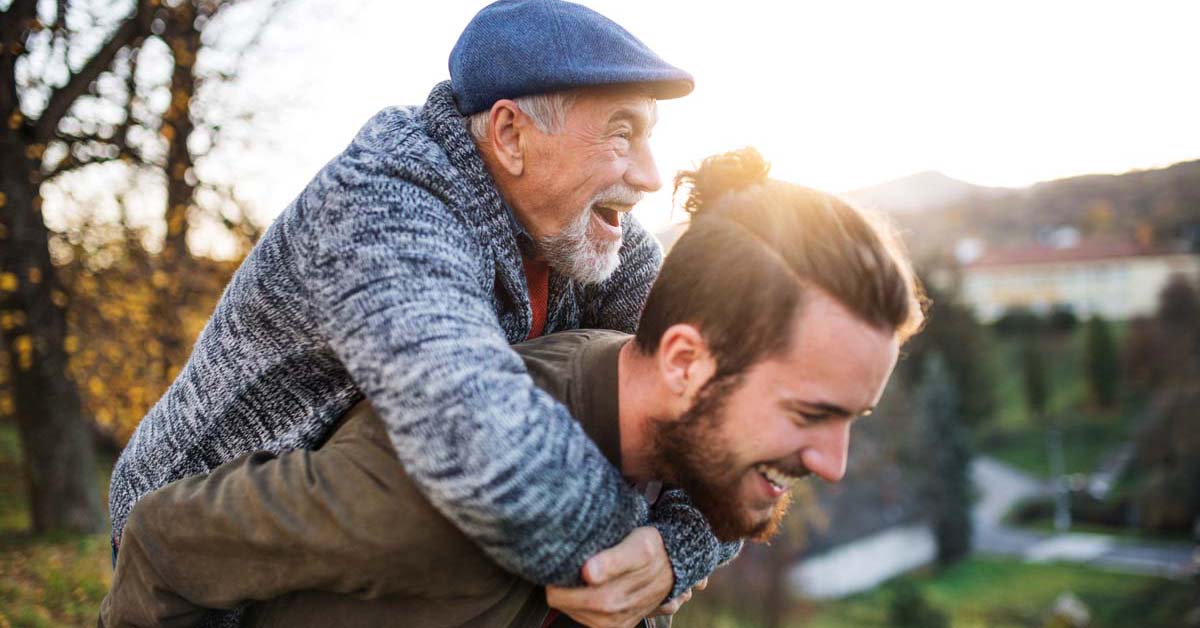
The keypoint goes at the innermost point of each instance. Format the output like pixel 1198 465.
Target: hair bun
pixel 720 174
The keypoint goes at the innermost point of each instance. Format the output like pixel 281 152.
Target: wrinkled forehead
pixel 634 101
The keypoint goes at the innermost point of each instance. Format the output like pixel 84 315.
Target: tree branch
pixel 100 150
pixel 130 30
pixel 71 163
pixel 14 29
pixel 16 19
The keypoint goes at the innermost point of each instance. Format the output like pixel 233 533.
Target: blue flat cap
pixel 515 48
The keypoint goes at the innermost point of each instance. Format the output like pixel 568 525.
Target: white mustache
pixel 617 195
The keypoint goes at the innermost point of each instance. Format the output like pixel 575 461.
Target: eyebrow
pixel 634 115
pixel 825 407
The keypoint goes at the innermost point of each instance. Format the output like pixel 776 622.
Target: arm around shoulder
pixel 402 290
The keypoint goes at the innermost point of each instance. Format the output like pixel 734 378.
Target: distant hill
pixel 921 191
pixel 1150 206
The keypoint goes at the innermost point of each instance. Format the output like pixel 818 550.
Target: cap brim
pixel 666 90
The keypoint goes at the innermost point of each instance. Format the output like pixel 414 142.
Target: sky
pixel 837 95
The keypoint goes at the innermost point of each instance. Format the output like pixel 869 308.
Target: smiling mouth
pixel 609 215
pixel 776 477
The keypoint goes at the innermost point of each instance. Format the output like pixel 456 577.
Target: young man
pixel 775 322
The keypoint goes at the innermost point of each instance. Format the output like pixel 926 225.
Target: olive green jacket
pixel 340 536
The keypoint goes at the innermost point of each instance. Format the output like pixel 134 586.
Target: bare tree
pixel 42 76
pixel 82 85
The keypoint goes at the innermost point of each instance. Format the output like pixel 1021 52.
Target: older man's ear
pixel 507 136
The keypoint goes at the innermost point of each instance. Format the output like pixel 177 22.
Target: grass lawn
pixel 986 592
pixel 45 581
pixel 1003 593
pixel 1085 441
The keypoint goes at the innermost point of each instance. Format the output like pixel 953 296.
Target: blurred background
pixel 1036 459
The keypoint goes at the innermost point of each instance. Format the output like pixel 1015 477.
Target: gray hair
pixel 548 112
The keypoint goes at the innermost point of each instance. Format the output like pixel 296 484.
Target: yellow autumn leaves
pixel 122 351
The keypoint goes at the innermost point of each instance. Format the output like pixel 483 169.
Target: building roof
pixel 1084 251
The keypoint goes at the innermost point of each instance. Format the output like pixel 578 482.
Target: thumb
pixel 628 555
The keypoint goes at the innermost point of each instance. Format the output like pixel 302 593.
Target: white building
pixel 1116 280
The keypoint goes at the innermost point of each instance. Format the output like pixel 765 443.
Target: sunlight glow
pixel 838 95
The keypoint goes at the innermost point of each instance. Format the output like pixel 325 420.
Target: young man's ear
pixel 684 362
pixel 508 125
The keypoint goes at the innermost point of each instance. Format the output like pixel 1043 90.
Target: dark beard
pixel 690 453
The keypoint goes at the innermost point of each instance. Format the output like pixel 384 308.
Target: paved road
pixel 1000 487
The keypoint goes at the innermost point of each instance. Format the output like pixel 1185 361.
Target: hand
pixel 625 583
pixel 673 606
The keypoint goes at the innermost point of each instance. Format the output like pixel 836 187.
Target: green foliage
pixel 909 609
pixel 1086 441
pixel 1062 320
pixel 1018 321
pixel 1166 467
pixel 945 487
pixel 1101 362
pixel 1179 305
pixel 1167 462
pixel 962 342
pixel 1033 370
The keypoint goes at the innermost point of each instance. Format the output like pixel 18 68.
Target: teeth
pixel 776 477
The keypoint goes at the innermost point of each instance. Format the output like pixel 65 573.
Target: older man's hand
pixel 625 583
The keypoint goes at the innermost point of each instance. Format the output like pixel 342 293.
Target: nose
pixel 643 172
pixel 827 452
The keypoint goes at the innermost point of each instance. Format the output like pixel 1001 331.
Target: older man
pixel 495 212
pixel 730 389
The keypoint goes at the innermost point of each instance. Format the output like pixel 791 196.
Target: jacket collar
pixel 483 205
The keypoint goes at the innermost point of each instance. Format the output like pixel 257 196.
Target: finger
pixel 702 585
pixel 597 606
pixel 593 597
pixel 670 608
pixel 635 552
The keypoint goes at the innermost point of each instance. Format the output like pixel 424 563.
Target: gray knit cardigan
pixel 396 275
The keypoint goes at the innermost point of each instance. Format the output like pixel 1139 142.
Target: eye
pixel 807 418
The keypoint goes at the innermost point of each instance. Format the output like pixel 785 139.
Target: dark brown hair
pixel 755 247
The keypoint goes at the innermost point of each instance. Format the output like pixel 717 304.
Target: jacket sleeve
pixel 341 519
pixel 697 550
pixel 403 295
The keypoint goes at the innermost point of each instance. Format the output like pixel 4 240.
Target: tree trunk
pixel 59 455
pixel 183 38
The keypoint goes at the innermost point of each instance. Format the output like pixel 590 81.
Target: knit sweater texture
pixel 396 274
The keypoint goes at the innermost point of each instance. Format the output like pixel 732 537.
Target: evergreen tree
pixel 953 332
pixel 945 488
pixel 1033 371
pixel 1100 362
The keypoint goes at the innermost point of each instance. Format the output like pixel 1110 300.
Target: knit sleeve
pixel 691 546
pixel 402 293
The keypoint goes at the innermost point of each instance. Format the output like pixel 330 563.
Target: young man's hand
pixel 625 583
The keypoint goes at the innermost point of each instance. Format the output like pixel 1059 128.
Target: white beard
pixel 578 253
